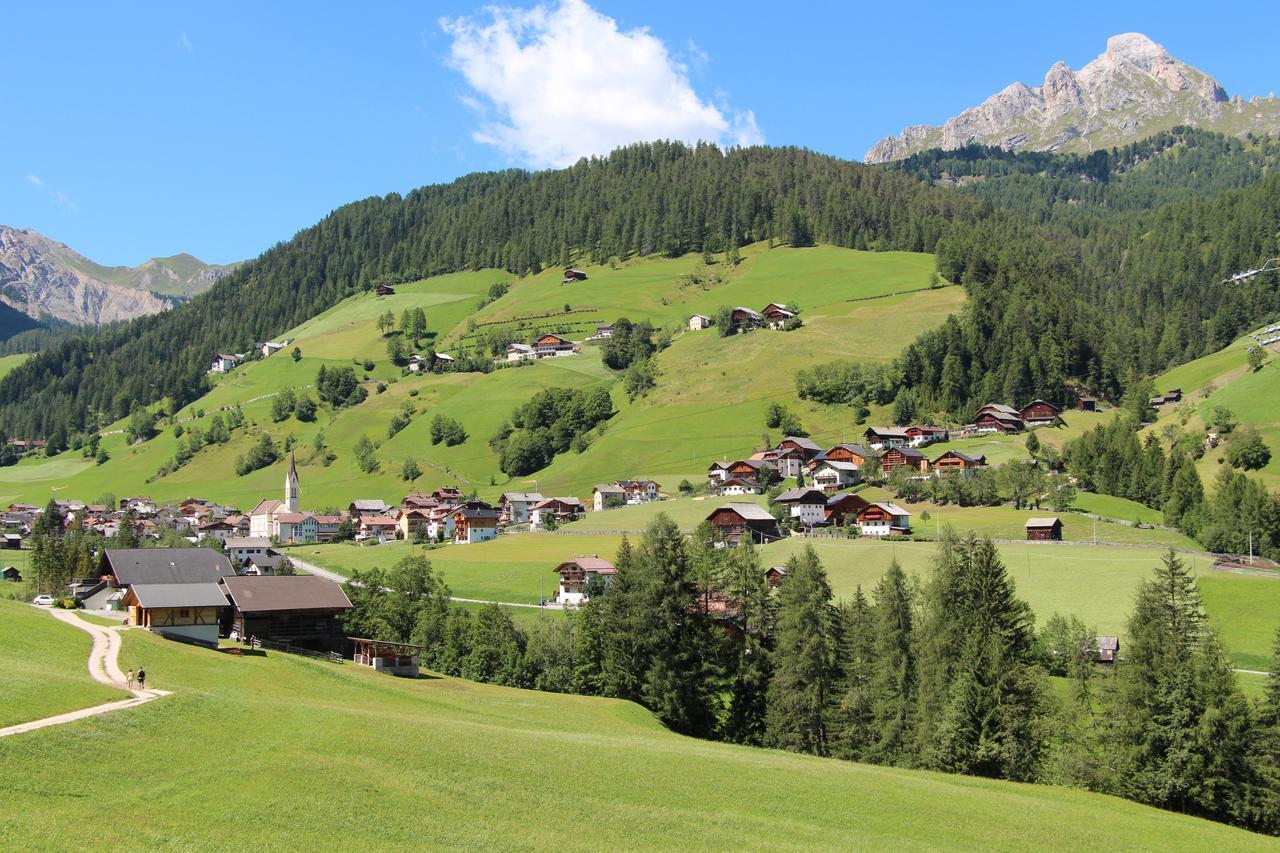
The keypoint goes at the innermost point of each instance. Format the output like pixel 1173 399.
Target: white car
pixel 43 600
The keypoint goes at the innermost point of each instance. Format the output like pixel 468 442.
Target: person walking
pixel 128 679
pixel 142 679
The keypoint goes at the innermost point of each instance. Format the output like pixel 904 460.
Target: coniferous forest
pixel 1053 297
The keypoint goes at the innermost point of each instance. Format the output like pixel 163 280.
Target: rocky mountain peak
pixel 1133 89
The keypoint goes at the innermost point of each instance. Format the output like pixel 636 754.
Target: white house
pixel 515 506
pixel 577 574
pixel 698 322
pixel 832 475
pixel 883 519
pixel 607 496
pixel 734 486
pixel 639 491
pixel 224 363
pixel 296 527
pixel 241 548
pixel 269 347
pixel 807 505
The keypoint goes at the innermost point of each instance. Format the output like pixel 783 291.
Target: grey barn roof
pixel 179 594
pixel 288 592
pixel 166 565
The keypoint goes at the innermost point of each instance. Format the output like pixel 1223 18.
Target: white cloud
pixel 558 83
pixel 59 198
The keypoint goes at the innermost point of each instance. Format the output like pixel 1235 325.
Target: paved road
pixel 103 666
pixel 313 569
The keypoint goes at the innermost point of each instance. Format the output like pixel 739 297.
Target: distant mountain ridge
pixel 1131 91
pixel 43 278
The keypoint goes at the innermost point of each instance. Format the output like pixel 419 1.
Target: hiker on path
pixel 142 679
pixel 128 679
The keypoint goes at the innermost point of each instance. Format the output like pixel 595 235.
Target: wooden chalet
pixel 855 453
pixel 807 505
pixel 1039 412
pixel 474 522
pixel 417 500
pixel 953 461
pixel 806 447
pixel 1167 398
pixel 1107 649
pixel 576 576
pixel 775 575
pixel 385 290
pixel 884 519
pixel 1044 529
pixel 1087 403
pixel 190 612
pixel 843 508
pixel 997 417
pixel 300 610
pixel 744 319
pixel 904 457
pixel 547 345
pixel 776 315
pixel 735 520
pixel 919 436
pixel 880 438
pixel 572 275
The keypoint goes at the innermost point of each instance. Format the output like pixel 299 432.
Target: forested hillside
pixel 1049 301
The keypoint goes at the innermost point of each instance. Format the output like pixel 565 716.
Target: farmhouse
pixel 1039 412
pixel 365 507
pixel 607 496
pixel 776 315
pixel 855 453
pixel 920 436
pixel 604 330
pixel 181 611
pixel 744 319
pixel 806 447
pixel 954 461
pixel 571 275
pixel 1044 529
pixel 903 457
pixel 1167 398
pixel 806 504
pixel 385 290
pixel 577 576
pixel 544 346
pixel 560 509
pixel 639 491
pixel 417 500
pixel 738 486
pixel 997 417
pixel 698 322
pixel 302 611
pixel 380 527
pixel 240 548
pixel 472 523
pixel 735 520
pixel 787 461
pixel 880 438
pixel 270 347
pixel 224 363
pixel 832 475
pixel 747 469
pixel 410 521
pixel 884 519
pixel 514 506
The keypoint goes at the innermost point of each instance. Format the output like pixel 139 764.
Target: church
pixel 283 521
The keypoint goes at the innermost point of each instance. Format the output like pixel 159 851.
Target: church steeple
pixel 291 488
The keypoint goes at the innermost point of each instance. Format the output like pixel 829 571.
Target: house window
pixel 184 613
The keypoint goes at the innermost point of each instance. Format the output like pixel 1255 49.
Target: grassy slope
pixel 9 362
pixel 43 667
pixel 700 411
pixel 359 759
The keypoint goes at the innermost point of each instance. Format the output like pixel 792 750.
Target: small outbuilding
pixel 1044 529
pixel 735 520
pixel 11 573
pixel 1108 649
pixel 401 659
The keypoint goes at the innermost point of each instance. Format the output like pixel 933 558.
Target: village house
pixel 172 591
pixel 560 509
pixel 735 520
pixel 776 315
pixel 1039 412
pixel 472 523
pixel 224 363
pixel 217 530
pixel 738 486
pixel 572 275
pixel 410 521
pixel 639 491
pixel 544 346
pixel 788 462
pixel 744 319
pixel 903 457
pixel 774 576
pixel 447 495
pixel 141 505
pixel 884 519
pixel 607 496
pixel 384 290
pixel 1044 529
pixel 423 364
pixel 807 505
pixel 327 526
pixel 577 576
pixel 832 475
pixel 362 508
pixel 855 453
pixel 417 500
pixel 299 610
pixel 922 436
pixel 189 612
pixel 268 348
pixel 514 506
pixel 997 417
pixel 240 548
pixel 881 438
pixel 296 528
pixel 603 330
pixel 746 469
pixel 953 461
pixel 264 564
pixel 698 322
pixel 380 527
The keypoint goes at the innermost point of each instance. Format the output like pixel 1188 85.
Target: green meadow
pixel 9 362
pixel 43 669
pixel 358 759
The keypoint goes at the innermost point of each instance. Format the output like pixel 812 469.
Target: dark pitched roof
pixel 801 441
pixel 909 452
pixel 287 592
pixel 803 494
pixel 165 565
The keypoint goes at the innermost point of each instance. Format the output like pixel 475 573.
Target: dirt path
pixel 104 667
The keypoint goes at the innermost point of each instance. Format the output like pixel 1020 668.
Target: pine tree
pixel 852 708
pixel 893 678
pixel 804 661
pixel 744 582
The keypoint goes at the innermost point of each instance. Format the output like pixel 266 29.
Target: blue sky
pixel 150 129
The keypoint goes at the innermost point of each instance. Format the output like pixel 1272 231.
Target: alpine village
pixel 663 494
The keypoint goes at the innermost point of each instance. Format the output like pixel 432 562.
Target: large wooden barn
pixel 301 610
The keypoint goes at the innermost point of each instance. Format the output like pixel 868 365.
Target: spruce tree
pixel 852 705
pixel 750 663
pixel 893 677
pixel 804 660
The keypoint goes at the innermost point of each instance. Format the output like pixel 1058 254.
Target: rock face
pixel 1132 90
pixel 43 278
